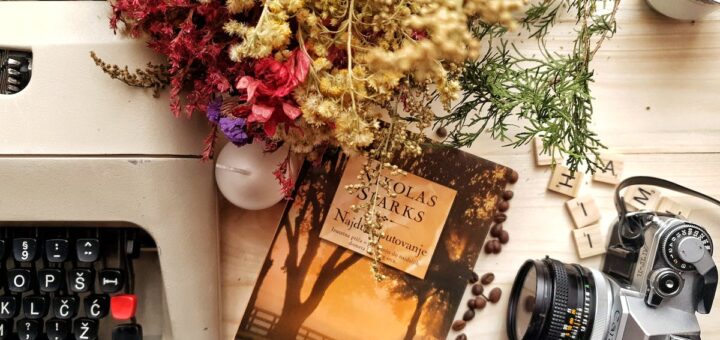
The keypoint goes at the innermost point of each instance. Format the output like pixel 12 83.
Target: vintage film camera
pixel 658 272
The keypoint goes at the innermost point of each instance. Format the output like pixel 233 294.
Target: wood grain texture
pixel 656 104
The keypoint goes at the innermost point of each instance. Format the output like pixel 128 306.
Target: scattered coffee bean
pixel 462 336
pixel 500 218
pixel 504 237
pixel 477 289
pixel 513 177
pixel 503 206
pixel 497 246
pixel 458 325
pixel 441 132
pixel 471 303
pixel 489 247
pixel 529 303
pixel 480 302
pixel 469 315
pixel 508 195
pixel 487 279
pixel 495 230
pixel 473 277
pixel 494 295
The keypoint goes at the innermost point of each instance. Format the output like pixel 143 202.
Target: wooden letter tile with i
pixel 642 198
pixel 670 206
pixel 540 157
pixel 583 210
pixel 611 171
pixel 589 241
pixel 565 182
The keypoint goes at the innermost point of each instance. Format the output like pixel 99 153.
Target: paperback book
pixel 316 281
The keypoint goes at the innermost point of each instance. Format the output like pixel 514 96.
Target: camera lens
pixel 551 300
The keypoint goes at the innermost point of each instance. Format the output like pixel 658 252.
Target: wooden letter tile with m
pixel 642 197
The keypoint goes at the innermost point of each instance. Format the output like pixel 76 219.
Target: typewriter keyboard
pixel 64 283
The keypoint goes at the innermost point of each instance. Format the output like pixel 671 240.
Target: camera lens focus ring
pixel 560 300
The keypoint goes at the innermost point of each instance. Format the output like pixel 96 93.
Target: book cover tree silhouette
pixel 313 272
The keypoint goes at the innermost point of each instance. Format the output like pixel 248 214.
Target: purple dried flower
pixel 234 130
pixel 213 110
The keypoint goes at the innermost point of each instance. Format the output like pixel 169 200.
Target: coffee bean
pixel 489 247
pixel 495 230
pixel 473 277
pixel 469 315
pixel 480 303
pixel 513 176
pixel 500 218
pixel 497 247
pixel 494 295
pixel 477 289
pixel 504 237
pixel 458 325
pixel 441 132
pixel 462 336
pixel 503 206
pixel 471 303
pixel 487 279
pixel 508 195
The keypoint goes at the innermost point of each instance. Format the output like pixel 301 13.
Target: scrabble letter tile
pixel 641 197
pixel 611 171
pixel 540 157
pixel 589 241
pixel 565 182
pixel 583 210
pixel 670 206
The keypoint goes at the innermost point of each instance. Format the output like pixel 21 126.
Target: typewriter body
pixel 97 181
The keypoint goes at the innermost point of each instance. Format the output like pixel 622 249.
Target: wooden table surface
pixel 657 103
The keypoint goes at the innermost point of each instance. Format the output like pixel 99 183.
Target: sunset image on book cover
pixel 312 288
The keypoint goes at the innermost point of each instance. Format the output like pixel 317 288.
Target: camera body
pixel 655 292
pixel 658 272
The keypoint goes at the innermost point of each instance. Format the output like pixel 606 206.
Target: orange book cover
pixel 311 288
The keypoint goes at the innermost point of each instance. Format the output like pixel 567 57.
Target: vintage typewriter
pixel 108 223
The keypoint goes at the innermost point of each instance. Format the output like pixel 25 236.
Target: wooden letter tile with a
pixel 611 171
pixel 565 182
pixel 670 206
pixel 641 197
pixel 583 210
pixel 589 241
pixel 540 157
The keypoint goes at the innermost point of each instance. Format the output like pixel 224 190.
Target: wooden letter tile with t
pixel 583 210
pixel 670 206
pixel 565 182
pixel 540 157
pixel 589 241
pixel 641 197
pixel 611 171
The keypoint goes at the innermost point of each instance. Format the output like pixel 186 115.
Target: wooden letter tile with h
pixel 565 182
pixel 641 197
pixel 583 210
pixel 611 171
pixel 589 241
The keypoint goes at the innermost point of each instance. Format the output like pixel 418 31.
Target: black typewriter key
pixel 88 249
pixel 97 306
pixel 56 250
pixel 65 307
pixel 29 329
pixel 57 329
pixel 8 307
pixel 85 329
pixel 50 279
pixel 35 307
pixel 25 249
pixel 81 279
pixel 3 251
pixel 128 331
pixel 19 280
pixel 6 329
pixel 111 280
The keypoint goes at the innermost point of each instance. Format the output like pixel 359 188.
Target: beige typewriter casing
pixel 79 147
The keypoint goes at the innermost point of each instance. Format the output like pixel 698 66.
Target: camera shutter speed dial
pixel 685 245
